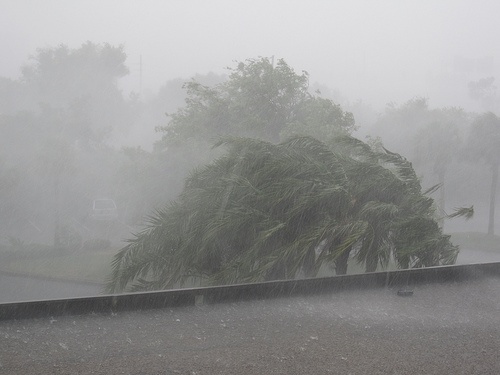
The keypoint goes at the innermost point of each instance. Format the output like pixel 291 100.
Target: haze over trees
pixel 68 98
pixel 264 212
pixel 433 139
pixel 484 145
pixel 71 98
pixel 259 100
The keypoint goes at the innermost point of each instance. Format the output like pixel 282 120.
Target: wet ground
pixel 467 256
pixel 16 288
pixel 442 329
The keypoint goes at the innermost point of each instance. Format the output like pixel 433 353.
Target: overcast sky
pixel 378 51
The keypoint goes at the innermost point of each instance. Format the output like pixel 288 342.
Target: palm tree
pixel 265 211
pixel 437 145
pixel 484 144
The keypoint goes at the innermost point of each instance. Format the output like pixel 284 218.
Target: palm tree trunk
pixel 309 266
pixel 441 198
pixel 371 263
pixel 57 225
pixel 341 262
pixel 494 182
pixel 372 258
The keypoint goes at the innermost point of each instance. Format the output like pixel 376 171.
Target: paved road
pixel 20 288
pixel 476 256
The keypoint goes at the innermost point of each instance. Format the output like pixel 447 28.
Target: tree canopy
pixel 266 211
pixel 484 145
pixel 260 100
pixel 430 137
pixel 62 74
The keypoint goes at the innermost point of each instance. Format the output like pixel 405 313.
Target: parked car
pixel 104 209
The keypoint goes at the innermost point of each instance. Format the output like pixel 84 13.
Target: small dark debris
pixel 405 293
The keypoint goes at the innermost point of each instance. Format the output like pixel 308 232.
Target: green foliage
pixel 484 139
pixel 62 73
pixel 259 100
pixel 78 88
pixel 321 119
pixel 263 211
pixel 484 145
pixel 430 137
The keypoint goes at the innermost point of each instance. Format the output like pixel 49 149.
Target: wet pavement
pixel 467 256
pixel 442 328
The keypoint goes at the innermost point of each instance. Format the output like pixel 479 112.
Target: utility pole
pixel 140 75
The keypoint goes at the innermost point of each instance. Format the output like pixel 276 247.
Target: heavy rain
pixel 152 146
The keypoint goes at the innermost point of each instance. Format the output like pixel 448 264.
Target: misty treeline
pixel 64 122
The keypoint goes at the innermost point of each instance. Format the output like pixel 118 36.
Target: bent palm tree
pixel 265 211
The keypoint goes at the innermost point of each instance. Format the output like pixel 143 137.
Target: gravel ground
pixel 442 329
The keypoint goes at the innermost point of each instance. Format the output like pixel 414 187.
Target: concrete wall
pixel 275 289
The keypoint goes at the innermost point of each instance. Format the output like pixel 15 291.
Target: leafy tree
pixel 430 137
pixel 57 160
pixel 485 92
pixel 484 145
pixel 320 118
pixel 144 183
pixel 398 125
pixel 83 82
pixel 13 96
pixel 259 100
pixel 439 143
pixel 59 75
pixel 10 180
pixel 264 211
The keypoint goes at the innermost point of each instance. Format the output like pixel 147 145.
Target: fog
pixel 377 52
pixel 87 89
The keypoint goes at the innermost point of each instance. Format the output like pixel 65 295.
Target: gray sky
pixel 378 51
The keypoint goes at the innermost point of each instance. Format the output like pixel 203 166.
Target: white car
pixel 104 209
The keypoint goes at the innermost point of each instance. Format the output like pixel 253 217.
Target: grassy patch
pixel 87 266
pixel 476 241
pixel 95 266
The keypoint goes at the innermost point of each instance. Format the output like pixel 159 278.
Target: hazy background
pixel 69 137
pixel 367 56
pixel 377 51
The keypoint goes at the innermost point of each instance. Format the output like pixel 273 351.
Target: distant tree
pixel 484 144
pixel 437 144
pixel 321 119
pixel 485 92
pixel 430 137
pixel 13 96
pixel 398 124
pixel 56 159
pixel 143 183
pixel 82 82
pixel 265 211
pixel 10 183
pixel 260 100
pixel 59 75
